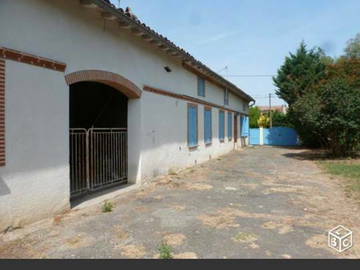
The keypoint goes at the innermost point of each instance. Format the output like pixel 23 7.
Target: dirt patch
pixel 178 207
pixel 133 251
pixel 223 218
pixel 283 189
pixel 120 233
pixel 243 237
pixel 197 186
pixel 142 209
pixel 317 241
pixel 79 241
pixel 186 255
pixel 57 220
pixel 254 246
pixel 282 228
pixel 250 186
pixel 176 239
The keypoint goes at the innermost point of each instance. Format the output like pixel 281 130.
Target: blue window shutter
pixel 208 126
pixel 221 126
pixel 192 125
pixel 243 131
pixel 201 87
pixel 245 126
pixel 230 130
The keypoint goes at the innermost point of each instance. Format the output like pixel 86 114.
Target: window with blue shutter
pixel 244 126
pixel 201 87
pixel 207 126
pixel 230 128
pixel 192 125
pixel 221 126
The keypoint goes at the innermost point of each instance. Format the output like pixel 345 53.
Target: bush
pixel 330 117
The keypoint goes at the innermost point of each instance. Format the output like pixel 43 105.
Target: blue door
pixel 254 136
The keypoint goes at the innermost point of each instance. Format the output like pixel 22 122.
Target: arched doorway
pixel 98 130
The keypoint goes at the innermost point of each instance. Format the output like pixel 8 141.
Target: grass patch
pixel 245 237
pixel 346 169
pixel 165 251
pixel 107 207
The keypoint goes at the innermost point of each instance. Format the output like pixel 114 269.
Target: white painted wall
pixel 35 181
pixel 165 143
pixel 37 128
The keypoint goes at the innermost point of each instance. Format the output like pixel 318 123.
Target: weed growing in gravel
pixel 165 251
pixel 107 207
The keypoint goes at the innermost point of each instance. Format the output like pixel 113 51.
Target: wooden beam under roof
pixel 88 4
pixel 123 24
pixel 108 16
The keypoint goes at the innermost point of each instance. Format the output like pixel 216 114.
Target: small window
pixel 230 127
pixel 221 126
pixel 192 125
pixel 226 97
pixel 207 126
pixel 201 87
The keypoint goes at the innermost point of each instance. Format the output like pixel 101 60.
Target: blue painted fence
pixel 276 136
pixel 254 136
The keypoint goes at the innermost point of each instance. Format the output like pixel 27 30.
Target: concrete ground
pixel 261 202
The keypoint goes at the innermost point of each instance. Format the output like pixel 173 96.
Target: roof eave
pixel 138 28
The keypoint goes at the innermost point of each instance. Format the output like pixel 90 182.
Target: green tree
pixel 280 119
pixel 324 99
pixel 352 49
pixel 254 114
pixel 332 115
pixel 300 72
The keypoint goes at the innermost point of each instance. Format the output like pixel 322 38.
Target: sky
pixel 250 37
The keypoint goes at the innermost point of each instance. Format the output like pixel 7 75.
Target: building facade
pixel 90 97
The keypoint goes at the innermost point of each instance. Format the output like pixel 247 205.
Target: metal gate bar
pixel 78 162
pixel 98 159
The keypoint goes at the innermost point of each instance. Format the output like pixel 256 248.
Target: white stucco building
pixel 90 98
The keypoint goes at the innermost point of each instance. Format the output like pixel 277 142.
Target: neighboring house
pixel 281 108
pixel 92 98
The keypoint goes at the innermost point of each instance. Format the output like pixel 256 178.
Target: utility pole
pixel 270 111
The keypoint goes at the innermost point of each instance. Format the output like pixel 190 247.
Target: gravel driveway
pixel 262 202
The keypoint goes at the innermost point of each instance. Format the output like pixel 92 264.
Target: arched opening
pixel 98 137
pixel 96 105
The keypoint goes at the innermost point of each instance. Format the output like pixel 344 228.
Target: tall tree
pixel 300 72
pixel 255 114
pixel 352 49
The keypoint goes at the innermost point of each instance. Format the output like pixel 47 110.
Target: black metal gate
pixel 98 159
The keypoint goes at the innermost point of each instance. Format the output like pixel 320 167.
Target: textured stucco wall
pixel 35 181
